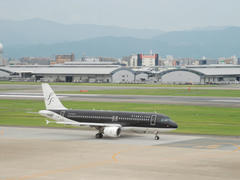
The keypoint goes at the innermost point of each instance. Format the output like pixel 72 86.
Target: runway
pixel 187 100
pixel 77 87
pixel 47 153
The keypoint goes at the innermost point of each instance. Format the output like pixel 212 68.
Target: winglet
pixel 50 98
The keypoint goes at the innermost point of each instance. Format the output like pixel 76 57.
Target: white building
pixel 133 61
pixel 202 75
pixel 62 73
pixel 147 60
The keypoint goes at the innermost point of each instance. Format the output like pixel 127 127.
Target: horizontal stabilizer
pixel 47 121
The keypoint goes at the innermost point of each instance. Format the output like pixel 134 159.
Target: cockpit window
pixel 165 119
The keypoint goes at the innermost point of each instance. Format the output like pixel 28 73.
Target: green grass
pixel 164 92
pixel 191 119
pixel 107 84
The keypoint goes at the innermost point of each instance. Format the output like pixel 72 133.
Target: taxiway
pixel 187 100
pixel 47 153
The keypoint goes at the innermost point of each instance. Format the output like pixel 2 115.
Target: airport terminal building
pixel 63 73
pixel 204 74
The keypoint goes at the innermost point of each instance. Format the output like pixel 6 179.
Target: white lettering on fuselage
pixel 113 118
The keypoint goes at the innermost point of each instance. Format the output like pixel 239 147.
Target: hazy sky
pixel 158 14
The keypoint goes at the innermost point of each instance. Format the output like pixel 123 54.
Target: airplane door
pixel 153 120
pixel 115 118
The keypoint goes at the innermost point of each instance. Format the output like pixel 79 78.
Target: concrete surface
pixel 204 101
pixel 41 153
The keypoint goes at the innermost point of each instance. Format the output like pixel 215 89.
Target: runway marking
pixel 26 96
pixel 235 145
pixel 127 150
pixel 213 146
pixel 23 96
pixel 114 156
pixel 225 100
pixel 74 168
pixel 113 159
pixel 238 148
pixel 87 165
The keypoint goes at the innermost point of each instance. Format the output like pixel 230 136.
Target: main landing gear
pixel 99 135
pixel 156 136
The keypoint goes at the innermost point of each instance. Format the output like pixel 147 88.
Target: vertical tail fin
pixel 50 98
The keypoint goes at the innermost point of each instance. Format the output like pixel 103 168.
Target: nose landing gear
pixel 156 136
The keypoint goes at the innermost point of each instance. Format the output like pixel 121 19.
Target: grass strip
pixel 163 92
pixel 191 119
pixel 105 84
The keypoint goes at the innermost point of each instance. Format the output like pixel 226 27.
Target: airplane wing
pixel 88 124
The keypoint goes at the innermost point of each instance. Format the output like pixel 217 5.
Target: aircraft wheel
pixel 99 135
pixel 156 138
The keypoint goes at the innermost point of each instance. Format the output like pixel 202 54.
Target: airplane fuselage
pixel 125 119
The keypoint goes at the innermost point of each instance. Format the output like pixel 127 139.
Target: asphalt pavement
pixel 187 100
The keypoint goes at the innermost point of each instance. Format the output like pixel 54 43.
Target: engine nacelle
pixel 112 131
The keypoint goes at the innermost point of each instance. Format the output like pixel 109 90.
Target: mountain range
pixel 40 31
pixel 38 37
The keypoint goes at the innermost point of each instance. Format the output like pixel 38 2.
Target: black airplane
pixel 108 123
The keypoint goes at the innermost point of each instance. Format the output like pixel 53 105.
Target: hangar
pixel 181 76
pixel 201 75
pixel 209 74
pixel 62 73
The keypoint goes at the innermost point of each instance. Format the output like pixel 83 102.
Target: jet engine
pixel 112 131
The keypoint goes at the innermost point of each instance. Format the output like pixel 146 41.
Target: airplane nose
pixel 173 124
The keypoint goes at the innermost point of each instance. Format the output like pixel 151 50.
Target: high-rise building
pixel 61 59
pixel 133 61
pixel 148 60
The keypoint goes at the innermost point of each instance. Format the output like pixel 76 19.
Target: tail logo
pixel 50 98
